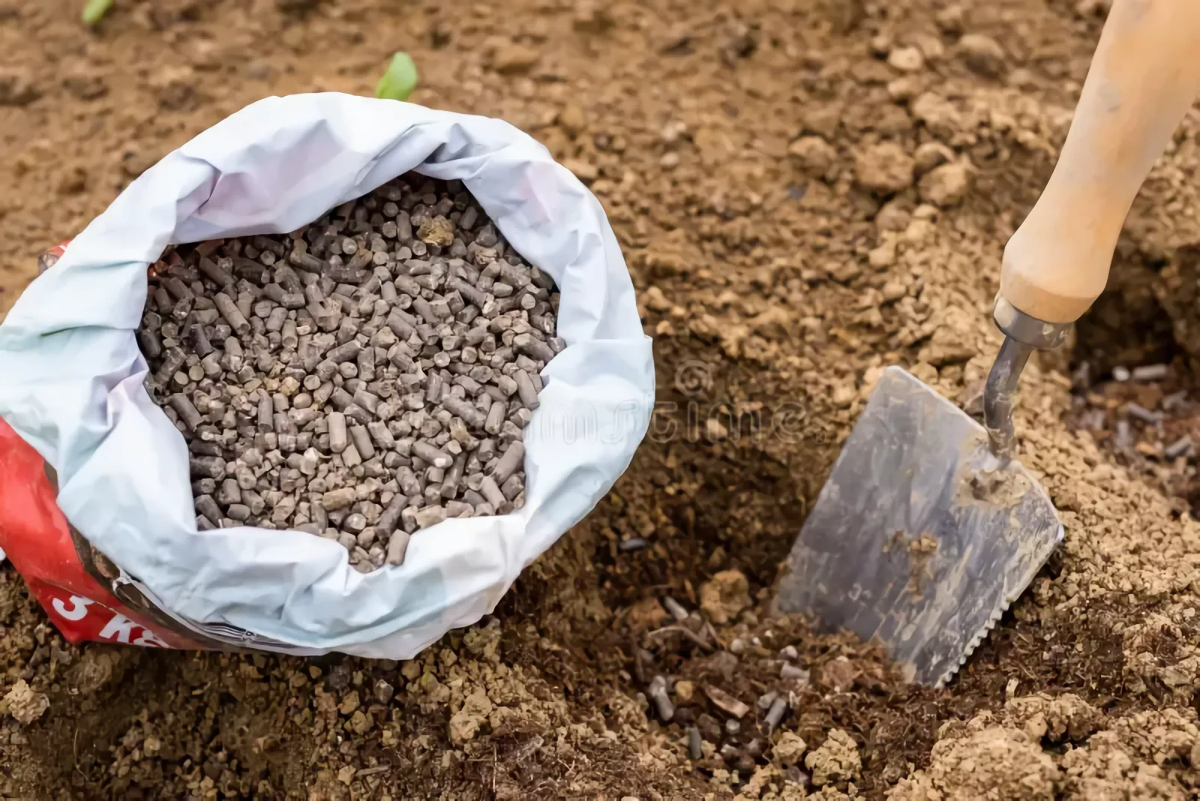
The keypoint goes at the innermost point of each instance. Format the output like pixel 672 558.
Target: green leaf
pixel 94 10
pixel 399 80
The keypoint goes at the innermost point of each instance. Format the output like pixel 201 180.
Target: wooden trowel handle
pixel 1144 75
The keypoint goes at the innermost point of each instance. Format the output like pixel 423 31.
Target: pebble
pixel 513 58
pixel 1120 373
pixel 906 59
pixel 982 54
pixel 384 691
pixel 930 155
pixel 946 185
pixel 813 154
pixel 884 168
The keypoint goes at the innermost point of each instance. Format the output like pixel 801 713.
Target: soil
pixel 805 193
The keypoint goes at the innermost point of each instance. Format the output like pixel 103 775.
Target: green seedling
pixel 400 79
pixel 95 10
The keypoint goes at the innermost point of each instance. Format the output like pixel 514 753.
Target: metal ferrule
pixel 1027 330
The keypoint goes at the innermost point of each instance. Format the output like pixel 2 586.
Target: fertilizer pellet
pixel 361 379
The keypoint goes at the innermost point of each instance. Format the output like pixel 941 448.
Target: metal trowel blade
pixel 922 537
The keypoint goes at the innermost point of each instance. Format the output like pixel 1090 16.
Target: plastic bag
pixel 73 390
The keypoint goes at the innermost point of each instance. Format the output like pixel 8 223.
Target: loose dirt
pixel 805 192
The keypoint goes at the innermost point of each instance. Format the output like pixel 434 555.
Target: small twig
pixel 75 750
pixel 686 632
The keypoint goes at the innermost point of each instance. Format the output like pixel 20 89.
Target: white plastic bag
pixel 71 376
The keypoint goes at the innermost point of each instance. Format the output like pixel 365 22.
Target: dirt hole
pixel 1133 370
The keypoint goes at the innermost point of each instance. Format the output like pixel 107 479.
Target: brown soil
pixel 806 192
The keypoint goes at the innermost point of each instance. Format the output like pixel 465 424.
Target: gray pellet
pixel 662 701
pixel 407 479
pixel 469 413
pixel 512 487
pixel 525 390
pixel 307 262
pixel 495 418
pixel 335 422
pixel 150 343
pixel 433 389
pixel 344 353
pixel 266 414
pixel 366 400
pixel 397 547
pixel 510 462
pixel 1178 448
pixel 276 318
pixel 172 361
pixel 187 412
pixel 382 437
pixel 431 454
pixel 775 713
pixel 1142 413
pixel 216 273
pixel 1150 372
pixel 675 608
pixel 430 516
pixel 789 671
pixel 206 506
pixel 390 519
pixel 507 385
pixel 493 495
pixel 453 477
pixel 207 467
pixel 362 442
pixel 232 314
pixel 230 492
pixel 695 744
pixel 338 499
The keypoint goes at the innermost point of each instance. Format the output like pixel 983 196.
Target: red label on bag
pixel 70 579
pixel 51 556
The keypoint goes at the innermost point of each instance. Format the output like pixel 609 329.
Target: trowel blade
pixel 921 538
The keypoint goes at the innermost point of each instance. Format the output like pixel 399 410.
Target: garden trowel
pixel 928 528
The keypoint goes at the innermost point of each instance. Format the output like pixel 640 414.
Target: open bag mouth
pixel 76 389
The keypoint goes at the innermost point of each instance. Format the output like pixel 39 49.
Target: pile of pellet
pixel 360 379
